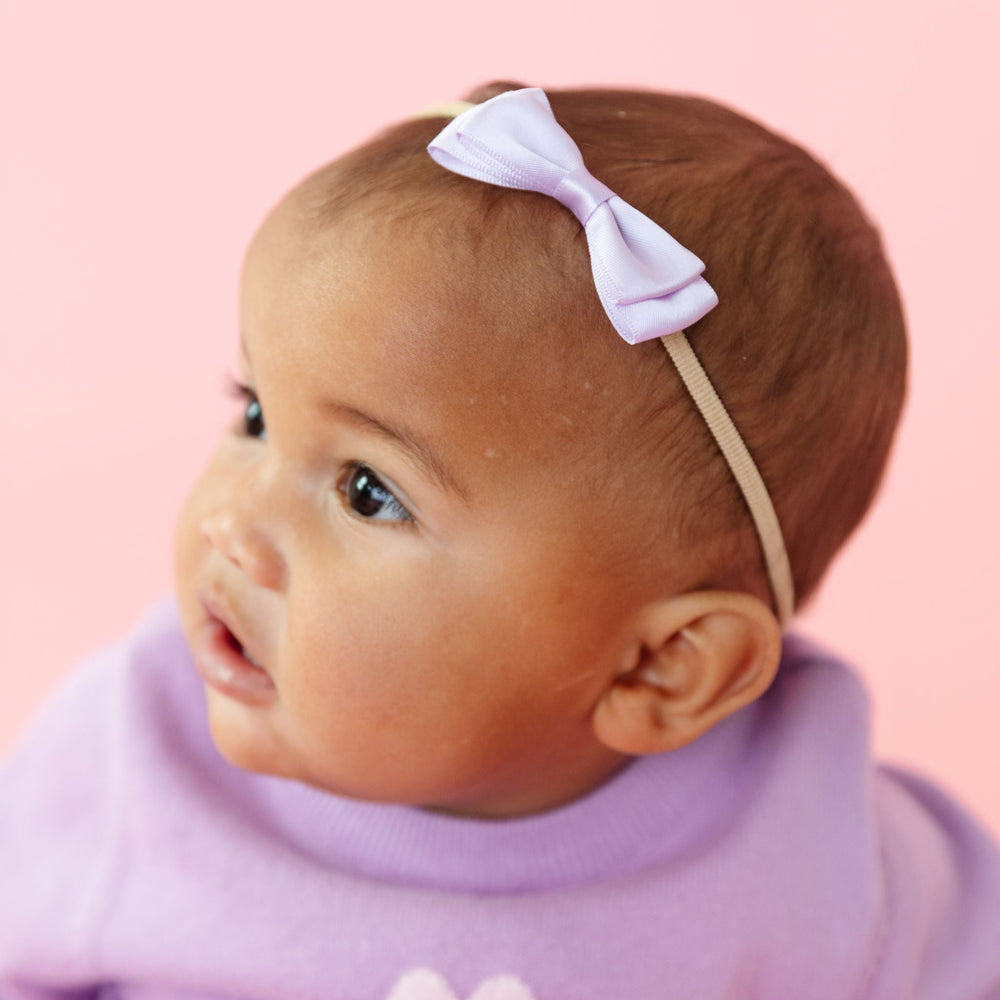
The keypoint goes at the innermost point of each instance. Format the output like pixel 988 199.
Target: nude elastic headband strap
pixel 744 470
pixel 649 285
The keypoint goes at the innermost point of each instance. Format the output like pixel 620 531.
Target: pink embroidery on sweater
pixel 425 984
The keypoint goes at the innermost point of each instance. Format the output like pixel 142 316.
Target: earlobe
pixel 697 658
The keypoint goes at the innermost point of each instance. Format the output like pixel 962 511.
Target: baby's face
pixel 394 579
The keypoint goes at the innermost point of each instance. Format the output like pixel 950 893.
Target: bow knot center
pixel 582 193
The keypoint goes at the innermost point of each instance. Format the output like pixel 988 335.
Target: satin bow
pixel 649 284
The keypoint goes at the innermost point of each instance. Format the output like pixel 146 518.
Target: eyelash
pixel 253 415
pixel 357 476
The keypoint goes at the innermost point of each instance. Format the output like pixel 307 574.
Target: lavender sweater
pixel 771 860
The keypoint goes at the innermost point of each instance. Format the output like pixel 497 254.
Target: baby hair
pixel 807 348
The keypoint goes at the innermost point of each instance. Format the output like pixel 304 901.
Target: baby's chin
pixel 246 739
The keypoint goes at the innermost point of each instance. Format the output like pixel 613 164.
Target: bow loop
pixel 649 284
pixel 508 144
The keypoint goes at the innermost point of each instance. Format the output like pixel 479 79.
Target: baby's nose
pixel 246 544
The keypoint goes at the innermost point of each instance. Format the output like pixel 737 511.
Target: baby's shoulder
pixel 136 687
pixel 127 724
pixel 929 869
pixel 804 658
pixel 68 786
pixel 818 705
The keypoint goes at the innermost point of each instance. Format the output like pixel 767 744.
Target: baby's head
pixel 481 549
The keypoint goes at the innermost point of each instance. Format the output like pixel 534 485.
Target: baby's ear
pixel 696 658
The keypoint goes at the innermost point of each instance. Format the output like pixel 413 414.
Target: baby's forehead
pixel 475 302
pixel 492 349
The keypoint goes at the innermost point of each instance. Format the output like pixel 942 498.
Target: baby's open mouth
pixel 226 666
pixel 238 646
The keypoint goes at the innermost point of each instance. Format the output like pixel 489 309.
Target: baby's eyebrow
pixel 421 453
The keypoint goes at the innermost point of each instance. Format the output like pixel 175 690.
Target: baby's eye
pixel 369 497
pixel 253 415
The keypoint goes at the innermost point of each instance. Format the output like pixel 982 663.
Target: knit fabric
pixel 770 859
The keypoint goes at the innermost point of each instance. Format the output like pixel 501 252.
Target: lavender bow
pixel 649 285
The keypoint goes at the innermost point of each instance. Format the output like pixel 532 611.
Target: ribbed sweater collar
pixel 656 808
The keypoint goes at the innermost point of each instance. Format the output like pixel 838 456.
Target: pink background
pixel 142 142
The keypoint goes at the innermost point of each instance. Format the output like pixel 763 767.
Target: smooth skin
pixel 398 534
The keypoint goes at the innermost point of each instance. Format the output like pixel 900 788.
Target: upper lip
pixel 216 604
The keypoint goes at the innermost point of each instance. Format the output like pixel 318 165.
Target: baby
pixel 476 686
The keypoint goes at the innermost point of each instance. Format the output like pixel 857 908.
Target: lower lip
pixel 223 667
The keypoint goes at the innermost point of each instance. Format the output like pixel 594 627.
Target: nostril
pixel 220 531
pixel 246 547
pixel 217 531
